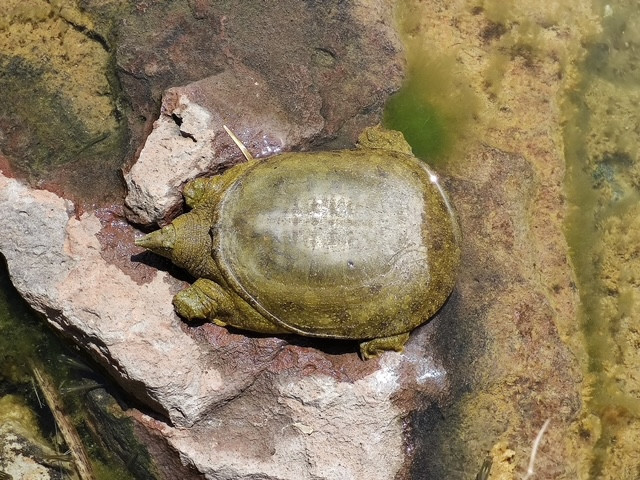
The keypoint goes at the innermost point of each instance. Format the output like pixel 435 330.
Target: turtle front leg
pixel 204 300
pixel 375 347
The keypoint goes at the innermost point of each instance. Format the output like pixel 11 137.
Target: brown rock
pixel 341 58
pixel 318 74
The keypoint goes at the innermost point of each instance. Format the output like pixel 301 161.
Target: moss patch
pixel 57 98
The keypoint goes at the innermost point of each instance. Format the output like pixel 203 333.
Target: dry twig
pixel 534 450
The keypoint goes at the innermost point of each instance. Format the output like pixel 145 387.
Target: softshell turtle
pixel 351 244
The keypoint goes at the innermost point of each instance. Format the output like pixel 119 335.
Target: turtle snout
pixel 161 241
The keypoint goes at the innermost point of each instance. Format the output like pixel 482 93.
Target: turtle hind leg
pixel 204 300
pixel 376 346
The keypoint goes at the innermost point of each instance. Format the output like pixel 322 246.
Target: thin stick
pixel 35 389
pixel 68 431
pixel 534 450
pixel 240 145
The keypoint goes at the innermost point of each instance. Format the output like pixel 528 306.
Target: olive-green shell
pixel 350 244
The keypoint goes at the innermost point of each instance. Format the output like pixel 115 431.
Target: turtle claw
pixel 204 300
pixel 373 348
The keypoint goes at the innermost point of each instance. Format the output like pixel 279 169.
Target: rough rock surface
pixel 318 74
pixel 237 405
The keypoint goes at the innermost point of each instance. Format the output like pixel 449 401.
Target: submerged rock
pixel 24 454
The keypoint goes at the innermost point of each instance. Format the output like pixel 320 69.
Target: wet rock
pixel 501 347
pixel 318 74
pixel 115 430
pixel 24 454
pixel 344 55
pixel 58 104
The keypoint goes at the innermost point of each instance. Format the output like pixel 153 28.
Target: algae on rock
pixel 603 155
pixel 58 93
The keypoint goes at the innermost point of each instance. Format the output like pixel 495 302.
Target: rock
pixel 23 451
pixel 69 288
pixel 240 405
pixel 188 139
pixel 59 114
pixel 344 55
pixel 318 74
pixel 503 353
pixel 82 85
pixel 236 405
pixel 116 432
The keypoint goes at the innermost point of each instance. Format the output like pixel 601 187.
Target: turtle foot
pixel 204 300
pixel 375 347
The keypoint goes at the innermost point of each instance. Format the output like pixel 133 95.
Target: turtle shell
pixel 357 244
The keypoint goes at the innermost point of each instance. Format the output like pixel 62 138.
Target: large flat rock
pixel 235 406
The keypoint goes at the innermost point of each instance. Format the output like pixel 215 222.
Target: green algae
pixel 48 130
pixel 422 124
pixel 61 104
pixel 603 229
pixel 435 106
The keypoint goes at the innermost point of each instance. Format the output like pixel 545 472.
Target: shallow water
pixel 603 229
pixel 601 135
pixel 26 340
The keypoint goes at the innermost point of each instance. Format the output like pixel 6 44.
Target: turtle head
pixel 186 242
pixel 161 242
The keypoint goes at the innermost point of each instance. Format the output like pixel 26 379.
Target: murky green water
pixel 434 107
pixel 603 230
pixel 24 340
